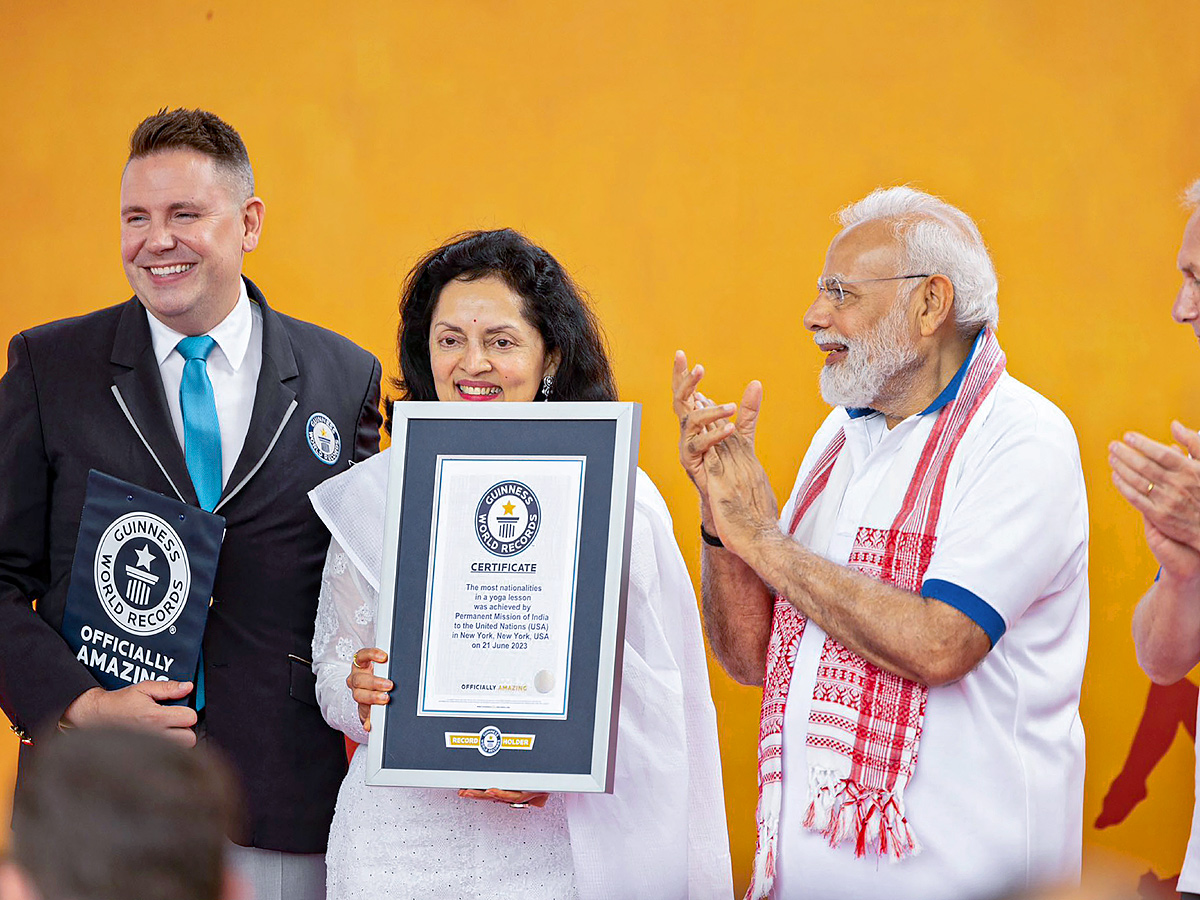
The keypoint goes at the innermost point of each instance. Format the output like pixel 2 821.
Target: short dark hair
pixel 199 130
pixel 554 305
pixel 111 814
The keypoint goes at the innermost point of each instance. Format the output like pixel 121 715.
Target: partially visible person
pixel 197 388
pixel 490 317
pixel 918 616
pixel 115 814
pixel 1162 482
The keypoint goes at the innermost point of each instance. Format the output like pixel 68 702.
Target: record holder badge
pixel 140 585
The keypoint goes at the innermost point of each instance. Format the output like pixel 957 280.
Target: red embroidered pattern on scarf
pixel 879 714
pixel 784 641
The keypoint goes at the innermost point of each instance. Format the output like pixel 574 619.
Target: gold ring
pixel 1149 489
pixel 357 664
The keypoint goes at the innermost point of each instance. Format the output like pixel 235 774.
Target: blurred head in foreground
pixel 106 814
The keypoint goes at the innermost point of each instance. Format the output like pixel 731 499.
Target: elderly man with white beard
pixel 918 615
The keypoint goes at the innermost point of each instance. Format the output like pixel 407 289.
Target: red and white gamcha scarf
pixel 865 723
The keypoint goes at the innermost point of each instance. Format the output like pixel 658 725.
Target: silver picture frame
pixel 573 751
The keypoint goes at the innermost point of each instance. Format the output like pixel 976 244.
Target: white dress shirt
pixel 233 367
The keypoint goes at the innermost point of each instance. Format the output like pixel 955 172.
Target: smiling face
pixel 481 348
pixel 869 337
pixel 870 368
pixel 184 230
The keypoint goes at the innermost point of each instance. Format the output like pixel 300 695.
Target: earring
pixel 547 386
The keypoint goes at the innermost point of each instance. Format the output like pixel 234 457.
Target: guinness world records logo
pixel 142 575
pixel 490 740
pixel 323 438
pixel 507 518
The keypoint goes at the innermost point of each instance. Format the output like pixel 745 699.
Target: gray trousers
pixel 274 875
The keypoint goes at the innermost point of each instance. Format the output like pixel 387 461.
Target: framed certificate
pixel 502 595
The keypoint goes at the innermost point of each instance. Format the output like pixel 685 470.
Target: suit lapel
pixel 139 390
pixel 274 400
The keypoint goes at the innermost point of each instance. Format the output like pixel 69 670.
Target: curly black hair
pixel 553 304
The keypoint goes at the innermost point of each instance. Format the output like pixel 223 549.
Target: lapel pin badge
pixel 323 438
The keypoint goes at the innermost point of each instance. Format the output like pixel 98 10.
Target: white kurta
pixel 660 834
pixel 996 799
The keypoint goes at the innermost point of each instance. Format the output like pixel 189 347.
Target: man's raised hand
pixel 740 495
pixel 1162 483
pixel 701 422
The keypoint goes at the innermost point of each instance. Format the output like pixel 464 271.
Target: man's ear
pixel 935 304
pixel 252 223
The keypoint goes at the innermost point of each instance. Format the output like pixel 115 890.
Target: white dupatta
pixel 661 834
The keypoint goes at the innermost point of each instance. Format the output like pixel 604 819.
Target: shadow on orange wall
pixel 1167 707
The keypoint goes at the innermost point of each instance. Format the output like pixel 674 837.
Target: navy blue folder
pixel 141 583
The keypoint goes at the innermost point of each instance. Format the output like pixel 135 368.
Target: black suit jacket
pixel 86 393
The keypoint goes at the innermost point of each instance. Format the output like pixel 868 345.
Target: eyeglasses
pixel 832 285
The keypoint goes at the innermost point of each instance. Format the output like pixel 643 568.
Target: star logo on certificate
pixel 507 518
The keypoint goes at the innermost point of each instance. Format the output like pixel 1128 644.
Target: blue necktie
pixel 201 439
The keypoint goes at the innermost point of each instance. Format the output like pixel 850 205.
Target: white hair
pixel 938 239
pixel 1191 196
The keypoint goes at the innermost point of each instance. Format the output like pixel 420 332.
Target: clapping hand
pixel 740 495
pixel 718 455
pixel 701 422
pixel 1163 484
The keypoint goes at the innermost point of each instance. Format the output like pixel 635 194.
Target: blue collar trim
pixel 949 392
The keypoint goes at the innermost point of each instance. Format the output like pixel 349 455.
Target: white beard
pixel 876 366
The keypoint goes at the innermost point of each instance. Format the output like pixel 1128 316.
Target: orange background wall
pixel 684 160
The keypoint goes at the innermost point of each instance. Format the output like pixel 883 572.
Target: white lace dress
pixel 419 842
pixel 661 834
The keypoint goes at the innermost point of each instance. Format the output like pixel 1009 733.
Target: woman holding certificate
pixel 491 317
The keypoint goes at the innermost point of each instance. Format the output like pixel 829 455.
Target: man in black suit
pixel 294 404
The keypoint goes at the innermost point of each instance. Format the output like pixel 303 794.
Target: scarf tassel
pixel 769 802
pixel 841 809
